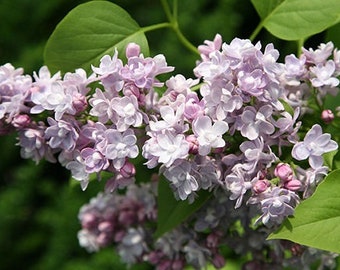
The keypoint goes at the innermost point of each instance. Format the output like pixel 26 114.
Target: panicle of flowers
pixel 240 137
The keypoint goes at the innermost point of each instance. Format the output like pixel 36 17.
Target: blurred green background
pixel 38 208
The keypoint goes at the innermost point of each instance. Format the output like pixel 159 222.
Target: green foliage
pixel 88 32
pixel 316 220
pixel 297 19
pixel 172 212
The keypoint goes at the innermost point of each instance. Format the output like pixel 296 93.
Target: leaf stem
pixel 156 27
pixel 173 23
pixel 256 31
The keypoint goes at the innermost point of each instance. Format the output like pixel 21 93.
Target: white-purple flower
pixel 127 111
pixel 314 145
pixel 277 205
pixel 119 146
pixel 209 135
pixel 181 178
pixel 324 75
pixel 61 134
pixel 254 123
pixel 166 147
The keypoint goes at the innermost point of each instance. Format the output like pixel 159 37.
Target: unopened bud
pixel 293 185
pixel 283 171
pixel 261 186
pixel 21 121
pixel 327 116
pixel 128 170
pixel 132 50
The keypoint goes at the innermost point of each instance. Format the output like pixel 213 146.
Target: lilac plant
pixel 239 134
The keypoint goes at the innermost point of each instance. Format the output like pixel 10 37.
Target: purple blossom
pixel 61 134
pixel 324 75
pixel 33 144
pixel 277 205
pixel 238 184
pixel 142 71
pixel 94 160
pixel 294 69
pixel 217 66
pixel 119 146
pixel 165 148
pixel 220 101
pixel 172 119
pixel 255 123
pixel 101 106
pixel 255 154
pixel 53 98
pixel 319 55
pixel 314 145
pixel 182 179
pixel 108 70
pixel 127 111
pixel 253 82
pixel 209 135
pixel 210 46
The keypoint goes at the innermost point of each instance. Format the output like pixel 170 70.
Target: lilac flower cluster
pixel 128 222
pixel 240 136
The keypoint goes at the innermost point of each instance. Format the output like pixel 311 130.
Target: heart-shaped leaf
pixel 171 212
pixel 297 19
pixel 88 32
pixel 316 220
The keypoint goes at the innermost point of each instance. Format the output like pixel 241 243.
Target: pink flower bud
pixel 293 185
pixel 132 50
pixel 218 261
pixel 105 226
pixel 88 221
pixel 128 170
pixel 177 264
pixel 327 116
pixel 261 186
pixel 104 239
pixel 193 144
pixel 21 121
pixel 283 171
pixel 79 102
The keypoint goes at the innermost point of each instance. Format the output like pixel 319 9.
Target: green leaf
pixel 264 8
pixel 329 158
pixel 316 220
pixel 333 35
pixel 88 32
pixel 297 19
pixel 171 212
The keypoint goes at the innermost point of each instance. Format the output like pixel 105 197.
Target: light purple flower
pixel 324 75
pixel 166 148
pixel 94 160
pixel 101 106
pixel 252 82
pixel 238 184
pixel 256 152
pixel 254 123
pixel 210 46
pixel 119 146
pixel 127 111
pixel 314 145
pixel 278 204
pixel 181 178
pixel 53 98
pixel 108 70
pixel 61 134
pixel 319 55
pixel 209 135
pixel 33 144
